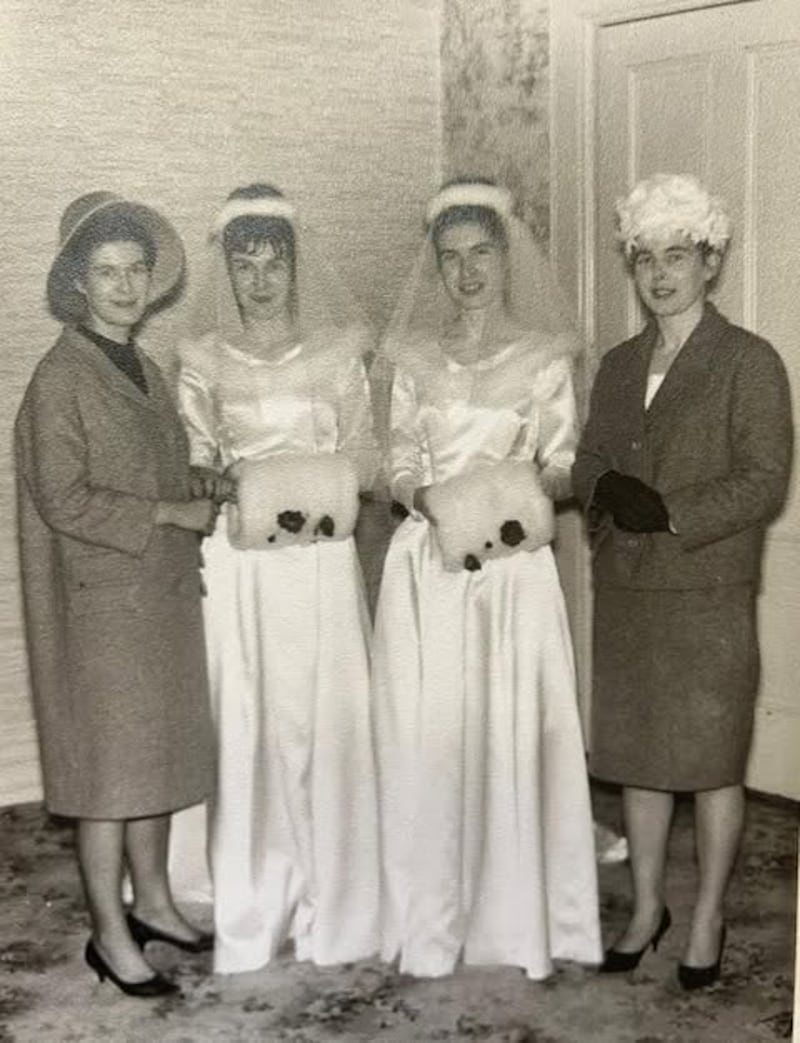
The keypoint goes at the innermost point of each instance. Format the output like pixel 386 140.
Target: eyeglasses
pixel 120 273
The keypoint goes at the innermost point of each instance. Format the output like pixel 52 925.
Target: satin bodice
pixel 448 417
pixel 236 406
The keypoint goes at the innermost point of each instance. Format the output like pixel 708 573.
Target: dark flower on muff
pixel 512 533
pixel 326 526
pixel 292 521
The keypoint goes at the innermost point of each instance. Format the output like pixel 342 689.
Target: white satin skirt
pixel 293 833
pixel 488 849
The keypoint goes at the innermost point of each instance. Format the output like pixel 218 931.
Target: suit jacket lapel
pixel 632 388
pixel 687 377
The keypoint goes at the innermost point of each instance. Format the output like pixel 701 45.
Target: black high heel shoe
pixel 143 933
pixel 701 977
pixel 147 989
pixel 616 962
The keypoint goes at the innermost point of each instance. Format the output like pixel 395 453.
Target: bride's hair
pixel 250 233
pixel 466 212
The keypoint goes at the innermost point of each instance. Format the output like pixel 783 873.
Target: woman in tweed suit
pixel 683 462
pixel 109 555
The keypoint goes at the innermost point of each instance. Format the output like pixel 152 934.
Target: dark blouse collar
pixel 123 356
pixel 106 343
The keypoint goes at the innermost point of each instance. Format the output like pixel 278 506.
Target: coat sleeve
pixel 53 460
pixel 753 490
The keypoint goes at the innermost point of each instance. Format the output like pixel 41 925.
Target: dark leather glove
pixel 634 505
pixel 615 492
pixel 652 517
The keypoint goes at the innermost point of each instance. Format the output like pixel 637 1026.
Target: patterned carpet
pixel 47 993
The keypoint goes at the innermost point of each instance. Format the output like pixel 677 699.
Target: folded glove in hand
pixel 634 505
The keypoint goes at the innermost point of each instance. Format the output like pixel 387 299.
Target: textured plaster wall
pixel 357 108
pixel 175 102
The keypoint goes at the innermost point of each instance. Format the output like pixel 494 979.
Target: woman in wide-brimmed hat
pixel 109 556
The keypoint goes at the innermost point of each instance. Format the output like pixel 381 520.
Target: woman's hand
pixel 225 489
pixel 196 515
pixel 421 503
pixel 207 484
pixel 202 481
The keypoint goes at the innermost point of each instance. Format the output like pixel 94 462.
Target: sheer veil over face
pixel 273 321
pixel 276 264
pixel 480 283
pixel 440 291
pixel 473 266
pixel 262 282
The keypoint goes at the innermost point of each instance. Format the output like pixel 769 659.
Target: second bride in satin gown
pixel 485 812
pixel 275 394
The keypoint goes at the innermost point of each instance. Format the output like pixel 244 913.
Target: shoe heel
pixel 663 926
pixel 95 961
pixel 619 962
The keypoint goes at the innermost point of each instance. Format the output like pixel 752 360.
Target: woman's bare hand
pixel 202 481
pixel 195 515
pixel 225 488
pixel 207 484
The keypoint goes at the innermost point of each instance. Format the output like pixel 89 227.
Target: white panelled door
pixel 713 91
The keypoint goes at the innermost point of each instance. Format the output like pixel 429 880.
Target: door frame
pixel 575 26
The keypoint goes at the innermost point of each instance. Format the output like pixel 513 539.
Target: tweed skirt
pixel 675 680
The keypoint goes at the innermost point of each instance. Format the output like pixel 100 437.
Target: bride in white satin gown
pixel 485 813
pixel 293 840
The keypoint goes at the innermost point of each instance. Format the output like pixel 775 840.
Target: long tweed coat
pixel 675 649
pixel 112 601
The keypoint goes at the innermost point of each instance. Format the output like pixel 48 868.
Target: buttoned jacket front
pixel 716 442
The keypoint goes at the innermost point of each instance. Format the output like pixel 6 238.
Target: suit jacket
pixel 716 442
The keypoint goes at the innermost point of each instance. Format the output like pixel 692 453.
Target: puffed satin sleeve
pixel 407 465
pixel 356 436
pixel 196 406
pixel 557 427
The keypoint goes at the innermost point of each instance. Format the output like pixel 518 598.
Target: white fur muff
pixel 293 499
pixel 490 512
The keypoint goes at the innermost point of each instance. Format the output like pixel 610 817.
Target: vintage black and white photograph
pixel 399 521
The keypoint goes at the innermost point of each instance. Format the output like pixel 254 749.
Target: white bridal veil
pixel 536 313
